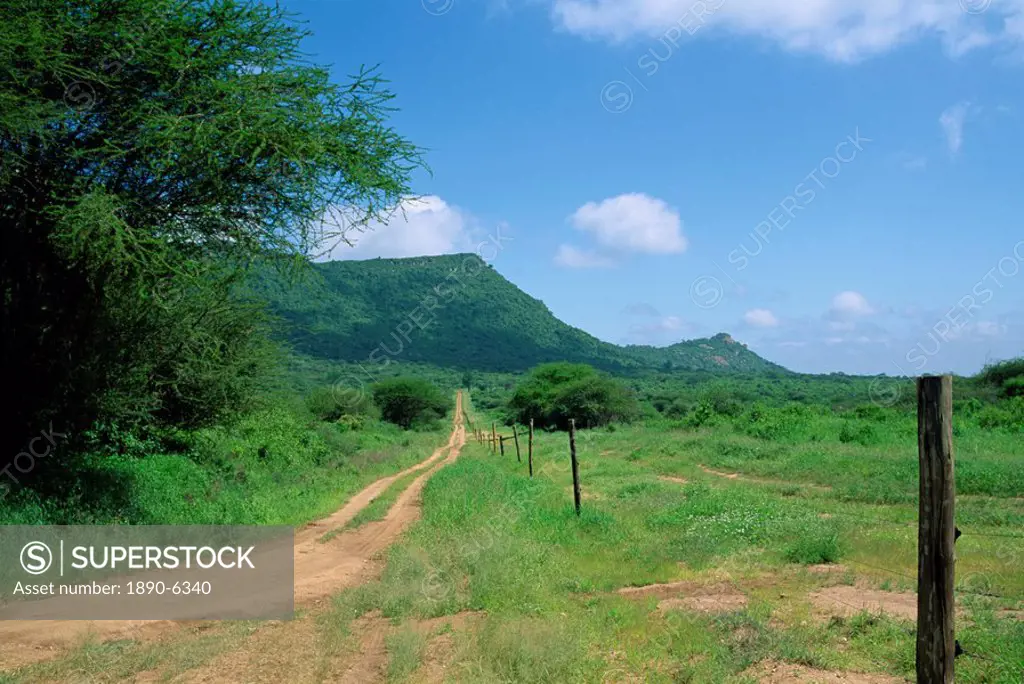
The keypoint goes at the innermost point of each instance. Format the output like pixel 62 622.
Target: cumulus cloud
pixel 850 304
pixel 424 226
pixel 841 30
pixel 760 318
pixel 573 257
pixel 633 222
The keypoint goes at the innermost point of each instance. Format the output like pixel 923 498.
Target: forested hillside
pixel 457 311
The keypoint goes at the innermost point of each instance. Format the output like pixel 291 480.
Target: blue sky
pixel 836 183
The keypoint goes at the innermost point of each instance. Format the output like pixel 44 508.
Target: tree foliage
pixel 409 401
pixel 150 152
pixel 453 311
pixel 554 393
pixel 1006 376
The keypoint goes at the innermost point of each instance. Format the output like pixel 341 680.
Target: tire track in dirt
pixel 286 652
pixel 320 568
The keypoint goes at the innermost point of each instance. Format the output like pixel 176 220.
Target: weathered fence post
pixel 494 438
pixel 936 645
pixel 501 443
pixel 530 452
pixel 575 465
pixel 515 437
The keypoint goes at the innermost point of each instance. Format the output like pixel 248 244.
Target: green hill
pixel 458 312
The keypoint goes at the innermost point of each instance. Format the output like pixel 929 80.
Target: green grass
pixel 405 649
pixel 493 540
pixel 376 509
pixel 275 467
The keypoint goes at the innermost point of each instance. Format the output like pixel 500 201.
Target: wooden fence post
pixel 575 465
pixel 936 645
pixel 501 443
pixel 515 437
pixel 531 448
pixel 494 438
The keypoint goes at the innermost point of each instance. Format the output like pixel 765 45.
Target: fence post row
pixel 936 644
pixel 575 465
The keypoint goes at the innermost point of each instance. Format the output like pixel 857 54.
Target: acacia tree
pixel 150 152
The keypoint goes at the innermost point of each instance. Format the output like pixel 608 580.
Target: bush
pixel 1007 376
pixel 328 405
pixel 814 546
pixel 703 415
pixel 859 433
pixel 554 393
pixel 410 401
pixel 1007 414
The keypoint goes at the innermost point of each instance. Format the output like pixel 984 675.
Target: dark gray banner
pixel 146 572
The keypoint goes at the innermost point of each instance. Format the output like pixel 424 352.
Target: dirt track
pixel 321 569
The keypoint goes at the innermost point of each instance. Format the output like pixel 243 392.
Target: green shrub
pixel 814 546
pixel 1007 376
pixel 554 393
pixel 1008 414
pixel 408 402
pixel 329 405
pixel 703 415
pixel 864 434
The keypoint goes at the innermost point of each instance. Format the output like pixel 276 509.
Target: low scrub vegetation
pixel 554 393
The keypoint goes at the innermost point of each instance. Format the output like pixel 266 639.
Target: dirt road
pixel 321 569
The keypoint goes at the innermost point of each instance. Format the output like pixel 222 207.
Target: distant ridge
pixel 456 311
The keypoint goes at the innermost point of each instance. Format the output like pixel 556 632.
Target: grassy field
pixel 712 553
pixel 278 466
pixel 774 544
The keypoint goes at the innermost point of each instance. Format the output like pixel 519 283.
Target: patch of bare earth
pixel 774 672
pixel 766 480
pixel 347 560
pixel 847 601
pixel 585 495
pixel 440 649
pixel 321 569
pixel 674 480
pixel 698 598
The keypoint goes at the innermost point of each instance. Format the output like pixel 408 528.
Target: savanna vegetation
pixel 154 156
pixel 166 169
pixel 715 544
pixel 457 311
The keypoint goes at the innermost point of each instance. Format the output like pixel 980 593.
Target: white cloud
pixel 988 328
pixel 672 323
pixel 424 226
pixel 573 257
pixel 633 222
pixel 760 318
pixel 841 30
pixel 952 121
pixel 850 304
